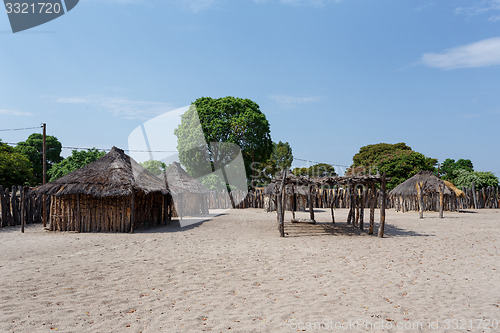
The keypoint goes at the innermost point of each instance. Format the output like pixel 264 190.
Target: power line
pixel 19 129
pixel 316 162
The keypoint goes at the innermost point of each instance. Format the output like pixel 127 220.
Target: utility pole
pixel 44 176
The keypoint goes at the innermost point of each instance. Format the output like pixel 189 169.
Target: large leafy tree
pixel 32 148
pixel 155 167
pixel 77 160
pixel 281 159
pixel 450 166
pixel 227 121
pixel 15 168
pixel 398 161
pixel 316 170
pixel 465 178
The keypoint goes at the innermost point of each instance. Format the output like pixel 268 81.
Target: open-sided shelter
pixel 113 193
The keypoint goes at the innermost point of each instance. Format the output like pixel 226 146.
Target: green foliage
pixel 213 182
pixel 398 161
pixel 281 159
pixel 223 120
pixel 77 160
pixel 465 178
pixel 32 148
pixel 15 168
pixel 155 167
pixel 449 166
pixel 317 170
pixel 370 154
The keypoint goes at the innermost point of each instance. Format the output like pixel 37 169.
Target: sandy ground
pixel 235 274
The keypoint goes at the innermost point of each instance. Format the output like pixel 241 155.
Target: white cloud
pixel 292 101
pixel 477 8
pixel 484 53
pixel 120 107
pixel 9 112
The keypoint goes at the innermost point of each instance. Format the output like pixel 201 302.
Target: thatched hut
pixel 425 191
pixel 190 197
pixel 114 193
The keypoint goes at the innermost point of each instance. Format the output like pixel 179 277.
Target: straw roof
pixel 179 181
pixel 431 184
pixel 458 193
pixel 113 175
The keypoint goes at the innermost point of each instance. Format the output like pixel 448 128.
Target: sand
pixel 233 273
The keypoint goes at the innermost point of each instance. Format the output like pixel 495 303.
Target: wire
pixel 19 129
pixel 316 162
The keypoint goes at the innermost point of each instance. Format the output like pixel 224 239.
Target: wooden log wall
pixel 11 207
pixel 84 213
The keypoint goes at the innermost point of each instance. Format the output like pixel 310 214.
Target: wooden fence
pixel 18 204
pixel 486 198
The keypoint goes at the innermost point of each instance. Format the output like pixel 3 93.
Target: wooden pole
pixel 132 211
pixel 44 177
pixel 311 209
pixel 382 208
pixel 332 203
pixel 373 198
pixel 419 186
pixel 362 209
pixel 441 201
pixel 293 203
pixel 279 205
pixel 23 208
pixel 3 208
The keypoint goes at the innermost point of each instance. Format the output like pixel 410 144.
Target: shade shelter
pixel 190 197
pixel 113 193
pixel 361 189
pixel 423 191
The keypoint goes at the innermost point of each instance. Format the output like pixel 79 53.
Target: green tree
pixel 227 122
pixel 398 161
pixel 77 160
pixel 281 159
pixel 465 178
pixel 15 168
pixel 449 166
pixel 370 154
pixel 155 167
pixel 316 170
pixel 32 148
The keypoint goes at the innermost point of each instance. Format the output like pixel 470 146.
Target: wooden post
pixel 419 186
pixel 350 195
pixel 332 203
pixel 3 208
pixel 441 200
pixel 132 211
pixel 311 208
pixel 382 208
pixel 279 205
pixel 293 202
pixel 23 208
pixel 373 202
pixel 362 209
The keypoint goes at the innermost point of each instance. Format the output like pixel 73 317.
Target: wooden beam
pixel 381 227
pixel 373 202
pixel 132 211
pixel 419 186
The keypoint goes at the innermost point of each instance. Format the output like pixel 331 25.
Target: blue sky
pixel 331 76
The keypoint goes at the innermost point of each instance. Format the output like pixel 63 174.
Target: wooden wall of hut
pixel 11 203
pixel 191 204
pixel 85 213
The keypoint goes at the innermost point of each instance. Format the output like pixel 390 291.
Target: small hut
pixel 113 193
pixel 189 195
pixel 424 191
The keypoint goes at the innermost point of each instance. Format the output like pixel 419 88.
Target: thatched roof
pixel 113 175
pixel 273 188
pixel 431 184
pixel 458 193
pixel 179 181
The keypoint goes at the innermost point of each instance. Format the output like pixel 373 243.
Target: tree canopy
pixel 281 158
pixel 223 121
pixel 449 167
pixel 77 160
pixel 316 170
pixel 398 161
pixel 465 178
pixel 32 148
pixel 155 167
pixel 15 168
